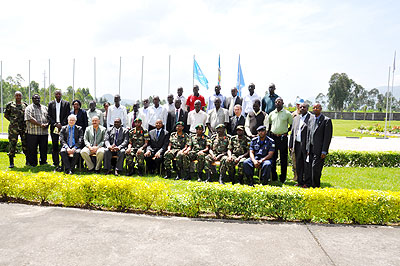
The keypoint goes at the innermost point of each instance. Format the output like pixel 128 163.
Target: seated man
pixel 197 150
pixel 138 139
pixel 116 142
pixel 71 137
pixel 238 152
pixel 94 142
pixel 262 149
pixel 178 142
pixel 159 140
pixel 218 152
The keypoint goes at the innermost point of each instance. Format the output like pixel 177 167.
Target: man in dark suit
pixel 58 111
pixel 177 115
pixel 231 102
pixel 158 144
pixel 116 142
pixel 298 144
pixel 71 139
pixel 318 140
pixel 236 120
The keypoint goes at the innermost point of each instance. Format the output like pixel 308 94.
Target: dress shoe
pixel 116 173
pixel 11 162
pixel 108 172
pixel 97 171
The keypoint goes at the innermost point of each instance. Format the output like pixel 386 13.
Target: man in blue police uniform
pixel 262 150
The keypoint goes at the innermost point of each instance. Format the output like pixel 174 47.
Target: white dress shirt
pixel 169 107
pixel 144 114
pixel 116 112
pixel 157 113
pixel 195 118
pixel 58 110
pixel 248 101
pixel 211 100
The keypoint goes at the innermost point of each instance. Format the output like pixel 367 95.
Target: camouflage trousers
pixel 230 166
pixel 201 161
pixel 13 139
pixel 169 157
pixel 222 167
pixel 133 160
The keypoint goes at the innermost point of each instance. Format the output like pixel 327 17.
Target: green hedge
pixel 317 205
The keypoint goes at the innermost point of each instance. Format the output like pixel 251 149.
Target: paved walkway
pixel 64 236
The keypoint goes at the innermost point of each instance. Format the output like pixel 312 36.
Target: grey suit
pixel 318 140
pixel 121 142
pixel 90 141
pixel 228 100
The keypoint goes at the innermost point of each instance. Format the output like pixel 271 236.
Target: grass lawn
pixel 344 127
pixel 336 177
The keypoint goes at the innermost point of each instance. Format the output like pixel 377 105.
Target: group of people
pixel 187 135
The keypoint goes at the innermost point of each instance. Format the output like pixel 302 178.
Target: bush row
pixel 194 199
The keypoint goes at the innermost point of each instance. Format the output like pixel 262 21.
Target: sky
pixel 297 45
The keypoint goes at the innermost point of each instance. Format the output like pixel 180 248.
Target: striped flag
pixel 219 69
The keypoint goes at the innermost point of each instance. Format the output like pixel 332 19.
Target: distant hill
pixel 396 90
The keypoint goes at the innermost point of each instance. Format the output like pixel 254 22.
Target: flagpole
pixel 29 77
pixel 169 74
pixel 391 97
pixel 119 82
pixel 49 83
pixel 141 81
pixel 94 77
pixel 73 80
pixel 193 71
pixel 1 86
pixel 387 102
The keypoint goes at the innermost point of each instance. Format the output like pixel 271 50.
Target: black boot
pixel 221 178
pixel 131 171
pixel 200 176
pixel 240 178
pixel 232 177
pixel 169 174
pixel 140 171
pixel 184 175
pixel 11 162
pixel 178 175
pixel 208 179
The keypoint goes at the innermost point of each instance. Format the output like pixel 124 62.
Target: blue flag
pixel 219 70
pixel 198 74
pixel 240 80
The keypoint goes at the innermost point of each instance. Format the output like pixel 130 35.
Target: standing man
pixel 178 143
pixel 216 116
pixel 231 102
pixel 157 112
pixel 236 120
pixel 15 112
pixel 169 106
pixel 94 145
pixel 212 99
pixel 181 97
pixel 178 114
pixel 37 123
pixel 133 115
pixel 218 152
pixel 261 156
pixel 197 150
pixel 249 99
pixel 280 121
pixel 254 119
pixel 71 138
pixel 238 151
pixel 197 116
pixel 106 105
pixel 295 113
pixel 138 140
pixel 158 144
pixel 59 111
pixel 318 141
pixel 116 142
pixel 117 111
pixel 268 102
pixel 193 98
pixel 144 114
pixel 93 111
pixel 298 146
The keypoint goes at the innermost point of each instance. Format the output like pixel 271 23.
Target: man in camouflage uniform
pixel 138 140
pixel 14 113
pixel 238 152
pixel 197 150
pixel 218 152
pixel 178 143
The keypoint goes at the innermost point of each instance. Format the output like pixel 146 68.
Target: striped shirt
pixel 40 114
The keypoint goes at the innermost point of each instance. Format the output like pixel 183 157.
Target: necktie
pixel 237 120
pixel 158 134
pixel 94 140
pixel 70 137
pixel 176 115
pixel 116 136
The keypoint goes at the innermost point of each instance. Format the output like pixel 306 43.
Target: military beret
pixel 180 123
pixel 199 125
pixel 260 128
pixel 240 127
pixel 138 119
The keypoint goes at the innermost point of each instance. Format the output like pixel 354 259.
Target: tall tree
pixel 339 91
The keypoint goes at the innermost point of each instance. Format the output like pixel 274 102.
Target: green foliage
pixel 363 159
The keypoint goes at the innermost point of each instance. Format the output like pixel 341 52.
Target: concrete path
pixel 33 235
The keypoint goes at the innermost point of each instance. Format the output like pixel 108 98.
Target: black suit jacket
pixel 183 116
pixel 232 124
pixel 304 130
pixel 78 135
pixel 81 118
pixel 64 113
pixel 227 103
pixel 123 138
pixel 158 145
pixel 319 134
